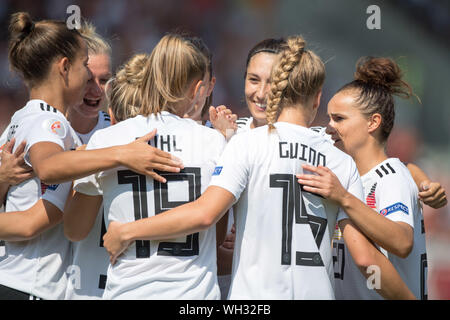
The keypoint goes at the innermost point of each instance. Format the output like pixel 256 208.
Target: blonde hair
pixel 173 64
pixel 96 44
pixel 124 91
pixel 297 76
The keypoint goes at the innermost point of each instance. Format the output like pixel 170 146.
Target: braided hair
pixel 296 77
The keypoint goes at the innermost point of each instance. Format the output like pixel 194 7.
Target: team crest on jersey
pixel 217 171
pixel 56 127
pixel 394 208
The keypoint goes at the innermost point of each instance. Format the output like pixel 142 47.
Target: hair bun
pixel 20 25
pixel 382 72
pixel 133 72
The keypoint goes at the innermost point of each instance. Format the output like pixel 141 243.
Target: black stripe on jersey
pixel 48 108
pixel 2 243
pixel 390 167
pixel 386 172
pixel 379 173
pixel 242 120
pixel 106 116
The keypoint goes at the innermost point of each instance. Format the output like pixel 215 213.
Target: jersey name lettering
pixel 166 143
pixel 302 152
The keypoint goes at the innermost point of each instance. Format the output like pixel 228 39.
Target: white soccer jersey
pixel 244 124
pixel 283 234
pixel 37 266
pixel 183 268
pixel 87 272
pixel 391 191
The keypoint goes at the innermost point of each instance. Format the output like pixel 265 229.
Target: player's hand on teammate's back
pixel 139 156
pixel 13 168
pixel 113 242
pixel 432 194
pixel 322 182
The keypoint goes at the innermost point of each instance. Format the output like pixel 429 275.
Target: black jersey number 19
pixel 293 203
pixel 192 175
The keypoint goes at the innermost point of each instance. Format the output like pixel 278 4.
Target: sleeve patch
pixel 55 126
pixel 217 171
pixel 394 208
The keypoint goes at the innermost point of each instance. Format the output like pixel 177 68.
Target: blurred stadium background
pixel 414 32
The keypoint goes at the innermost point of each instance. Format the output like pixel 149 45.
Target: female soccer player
pixel 283 234
pixel 53 63
pixel 89 263
pixel 178 267
pixel 361 119
pixel 260 61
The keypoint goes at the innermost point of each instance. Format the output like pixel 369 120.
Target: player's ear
pixel 198 88
pixel 374 122
pixel 63 67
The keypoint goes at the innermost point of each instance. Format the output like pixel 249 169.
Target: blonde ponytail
pixel 174 63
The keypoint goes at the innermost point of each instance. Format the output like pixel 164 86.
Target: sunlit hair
pixel 376 81
pixel 297 76
pixel 124 91
pixel 96 43
pixel 173 64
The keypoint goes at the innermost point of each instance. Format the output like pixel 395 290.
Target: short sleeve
pixel 394 199
pixel 89 185
pixel 46 129
pixel 354 187
pixel 57 194
pixel 232 169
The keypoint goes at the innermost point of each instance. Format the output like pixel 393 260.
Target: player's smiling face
pixel 348 127
pixel 257 84
pixel 94 98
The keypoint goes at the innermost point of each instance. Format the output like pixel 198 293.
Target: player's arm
pixel 52 165
pixel 430 192
pixel 28 224
pixel 80 214
pixel 395 237
pixel 183 220
pixel 366 255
